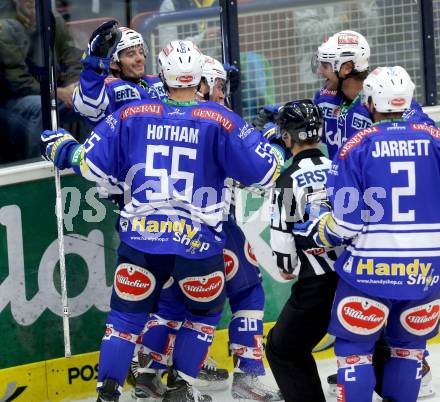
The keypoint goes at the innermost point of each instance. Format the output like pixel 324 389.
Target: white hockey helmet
pixel 129 38
pixel 180 64
pixel 390 88
pixel 342 47
pixel 213 69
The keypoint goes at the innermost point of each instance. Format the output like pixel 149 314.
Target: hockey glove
pixel 272 133
pixel 101 46
pixel 56 147
pixel 266 114
pixel 316 231
pixel 104 39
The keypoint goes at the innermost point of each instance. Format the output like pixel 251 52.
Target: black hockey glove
pixel 266 114
pixel 104 39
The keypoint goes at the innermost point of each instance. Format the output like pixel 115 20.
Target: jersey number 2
pixel 397 192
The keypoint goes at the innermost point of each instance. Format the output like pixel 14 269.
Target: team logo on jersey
pixel 329 110
pixel 133 283
pixel 360 121
pixel 433 131
pixel 249 254
pixel 140 109
pixel 109 80
pixel 209 114
pixel 245 131
pixel 362 316
pixel 203 288
pixel 111 122
pixel 421 320
pixel 356 140
pixel 327 92
pixel 231 263
pixel 126 92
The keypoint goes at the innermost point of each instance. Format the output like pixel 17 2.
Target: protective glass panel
pixel 277 43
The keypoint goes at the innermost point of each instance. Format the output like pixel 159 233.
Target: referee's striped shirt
pixel 305 178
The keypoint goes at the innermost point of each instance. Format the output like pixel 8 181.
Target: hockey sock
pixel 403 373
pixel 356 378
pixel 118 345
pixel 158 340
pixel 192 343
pixel 246 341
pixel 246 330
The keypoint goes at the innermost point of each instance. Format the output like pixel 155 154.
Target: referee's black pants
pixel 299 328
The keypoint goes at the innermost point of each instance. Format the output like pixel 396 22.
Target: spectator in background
pixel 21 63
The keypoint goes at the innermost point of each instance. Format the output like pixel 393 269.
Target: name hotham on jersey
pixel 173 133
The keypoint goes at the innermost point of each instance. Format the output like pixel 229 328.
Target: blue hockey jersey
pixel 99 95
pixel 329 103
pixel 354 117
pixel 172 159
pixel 382 187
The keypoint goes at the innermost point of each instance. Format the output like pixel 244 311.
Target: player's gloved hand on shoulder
pixel 101 46
pixel 56 146
pixel 272 133
pixel 316 231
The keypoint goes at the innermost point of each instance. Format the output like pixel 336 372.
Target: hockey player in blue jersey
pixel 171 159
pixel 343 60
pixel 243 290
pixel 113 73
pixel 162 327
pixel 383 206
pixel 123 51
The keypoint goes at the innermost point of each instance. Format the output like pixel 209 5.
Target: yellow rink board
pixel 67 379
